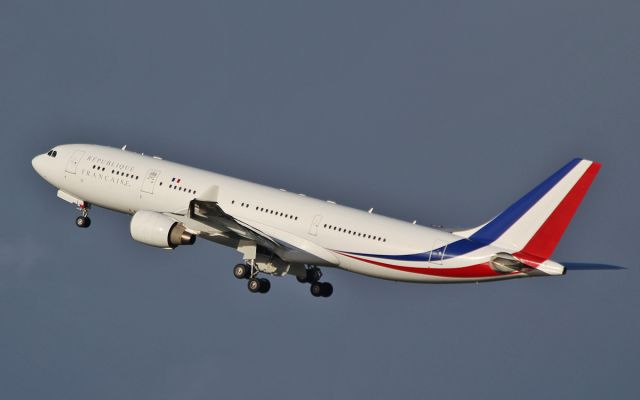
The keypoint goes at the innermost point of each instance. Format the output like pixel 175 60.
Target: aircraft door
pixel 313 230
pixel 72 164
pixel 437 254
pixel 150 180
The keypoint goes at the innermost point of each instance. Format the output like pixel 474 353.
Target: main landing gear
pixel 83 221
pixel 258 285
pixel 312 275
pixel 321 289
pixel 318 289
pixel 250 272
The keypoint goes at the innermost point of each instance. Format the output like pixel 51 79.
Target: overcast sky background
pixel 440 111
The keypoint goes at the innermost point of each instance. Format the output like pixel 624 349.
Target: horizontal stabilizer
pixel 591 267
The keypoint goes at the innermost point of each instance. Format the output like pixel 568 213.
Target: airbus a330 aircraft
pixel 281 233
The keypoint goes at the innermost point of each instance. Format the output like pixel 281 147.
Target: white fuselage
pixel 351 239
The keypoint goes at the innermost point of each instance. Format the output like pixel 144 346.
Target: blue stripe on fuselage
pixel 406 257
pixel 454 249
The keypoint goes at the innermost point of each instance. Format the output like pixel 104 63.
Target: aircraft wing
pixel 287 246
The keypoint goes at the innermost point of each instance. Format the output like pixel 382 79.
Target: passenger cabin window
pixel 276 213
pixel 354 233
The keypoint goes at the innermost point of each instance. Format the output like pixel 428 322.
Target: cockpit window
pixel 49 153
pixel 52 153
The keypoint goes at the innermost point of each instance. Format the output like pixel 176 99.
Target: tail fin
pixel 534 224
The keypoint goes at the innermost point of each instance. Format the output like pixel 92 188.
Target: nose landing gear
pixel 83 221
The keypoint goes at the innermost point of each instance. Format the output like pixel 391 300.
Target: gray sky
pixel 440 111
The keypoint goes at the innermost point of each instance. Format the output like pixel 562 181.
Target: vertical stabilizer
pixel 535 223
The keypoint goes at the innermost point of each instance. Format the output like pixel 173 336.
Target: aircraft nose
pixel 38 163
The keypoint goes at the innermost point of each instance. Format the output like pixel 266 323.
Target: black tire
pixel 241 271
pixel 254 285
pixel 327 289
pixel 83 222
pixel 265 285
pixel 303 279
pixel 316 289
pixel 314 275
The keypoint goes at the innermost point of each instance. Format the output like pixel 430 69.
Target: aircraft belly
pixel 423 272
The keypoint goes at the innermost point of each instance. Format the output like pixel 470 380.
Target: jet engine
pixel 159 230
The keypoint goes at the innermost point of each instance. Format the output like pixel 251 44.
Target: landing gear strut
pixel 83 221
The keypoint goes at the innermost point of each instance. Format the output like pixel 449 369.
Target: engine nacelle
pixel 158 230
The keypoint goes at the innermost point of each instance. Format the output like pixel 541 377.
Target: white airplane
pixel 281 233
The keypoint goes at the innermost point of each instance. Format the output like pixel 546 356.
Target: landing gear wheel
pixel 241 271
pixel 259 285
pixel 327 289
pixel 254 285
pixel 316 289
pixel 321 289
pixel 265 285
pixel 313 275
pixel 83 222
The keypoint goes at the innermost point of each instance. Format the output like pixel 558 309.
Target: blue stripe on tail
pixel 499 225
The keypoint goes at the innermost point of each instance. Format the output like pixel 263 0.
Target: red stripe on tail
pixel 544 242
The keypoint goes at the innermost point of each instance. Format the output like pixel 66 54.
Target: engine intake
pixel 158 230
